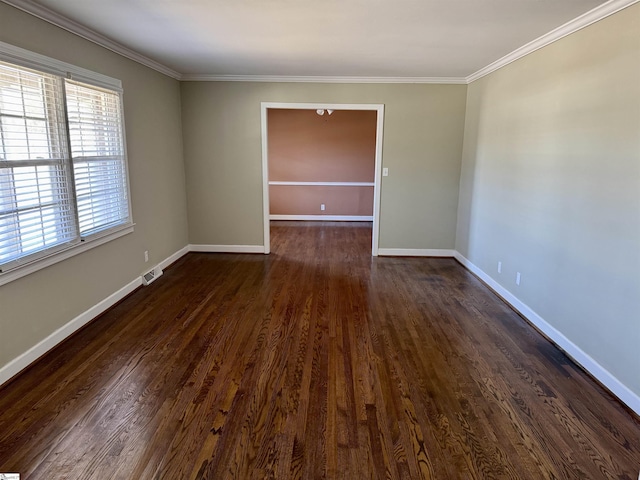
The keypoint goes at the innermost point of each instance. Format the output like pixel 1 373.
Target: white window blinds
pixel 63 170
pixel 36 202
pixel 97 150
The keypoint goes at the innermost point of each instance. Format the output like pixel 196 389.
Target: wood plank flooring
pixel 316 361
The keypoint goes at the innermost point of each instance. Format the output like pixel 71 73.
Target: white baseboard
pixel 172 258
pixel 326 218
pixel 22 361
pixel 615 386
pixel 415 252
pixel 227 248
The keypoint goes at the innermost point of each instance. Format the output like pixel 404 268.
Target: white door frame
pixel 379 108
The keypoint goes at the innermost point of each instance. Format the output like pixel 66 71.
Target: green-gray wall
pixel 34 306
pixel 550 186
pixel 423 128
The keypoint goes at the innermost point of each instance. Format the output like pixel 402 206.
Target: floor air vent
pixel 151 276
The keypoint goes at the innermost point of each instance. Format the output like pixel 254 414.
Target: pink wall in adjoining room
pixel 307 147
pixel 306 200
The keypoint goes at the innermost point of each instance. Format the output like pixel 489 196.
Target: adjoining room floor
pixel 317 361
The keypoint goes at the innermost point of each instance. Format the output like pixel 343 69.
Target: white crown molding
pixel 69 25
pixel 588 18
pixel 30 59
pixel 319 79
pixel 578 23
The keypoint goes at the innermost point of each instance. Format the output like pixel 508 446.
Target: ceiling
pixel 326 38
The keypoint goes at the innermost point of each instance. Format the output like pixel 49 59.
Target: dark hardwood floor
pixel 316 361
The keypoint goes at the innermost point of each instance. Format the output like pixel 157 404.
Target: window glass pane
pixel 36 205
pixel 44 146
pixel 97 149
pixel 25 139
pixel 31 216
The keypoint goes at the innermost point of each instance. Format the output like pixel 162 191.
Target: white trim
pixel 588 18
pixel 379 108
pixel 319 79
pixel 324 106
pixel 227 248
pixel 27 58
pixel 173 258
pixel 584 20
pixel 415 252
pixel 69 25
pixel 22 361
pixel 61 255
pixel 265 178
pixel 378 181
pixel 615 386
pixel 327 218
pixel 325 184
pixel 38 260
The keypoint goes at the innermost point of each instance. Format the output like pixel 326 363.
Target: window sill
pixel 59 256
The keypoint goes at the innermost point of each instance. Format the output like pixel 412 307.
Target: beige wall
pixel 550 186
pixel 34 306
pixel 423 129
pixel 307 147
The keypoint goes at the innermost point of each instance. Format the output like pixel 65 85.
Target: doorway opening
pixel 303 180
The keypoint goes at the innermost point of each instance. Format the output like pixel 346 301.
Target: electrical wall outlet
pixel 146 256
pixel 499 267
pixel 322 207
pixel 517 278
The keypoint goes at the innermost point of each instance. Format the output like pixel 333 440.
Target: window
pixel 63 170
pixel 97 151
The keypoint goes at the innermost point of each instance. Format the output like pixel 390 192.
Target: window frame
pixel 25 58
